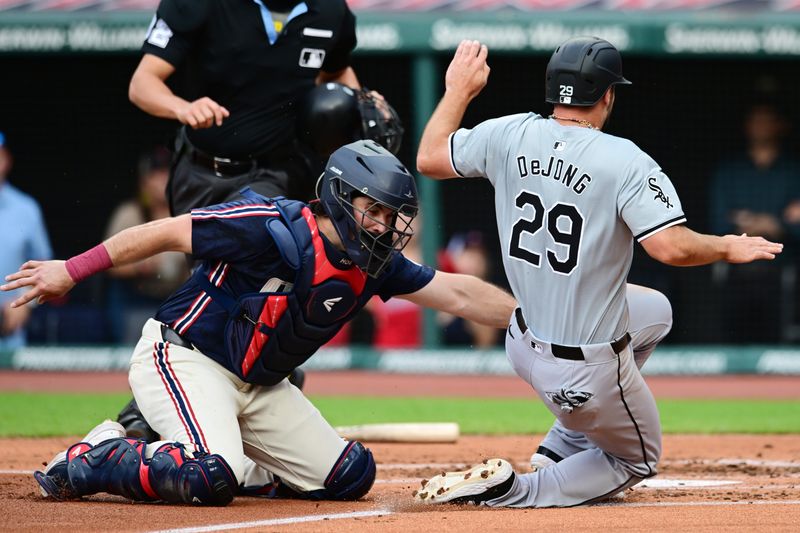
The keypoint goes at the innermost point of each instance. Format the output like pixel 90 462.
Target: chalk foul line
pixel 277 521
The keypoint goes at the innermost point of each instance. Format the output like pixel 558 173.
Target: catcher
pixel 278 279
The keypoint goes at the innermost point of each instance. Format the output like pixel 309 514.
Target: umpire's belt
pixel 573 353
pixel 173 337
pixel 227 167
pixel 221 166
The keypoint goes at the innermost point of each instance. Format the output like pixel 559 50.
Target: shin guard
pixel 119 466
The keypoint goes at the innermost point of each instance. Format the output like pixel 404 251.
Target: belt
pixel 221 166
pixel 173 337
pixel 227 167
pixel 573 353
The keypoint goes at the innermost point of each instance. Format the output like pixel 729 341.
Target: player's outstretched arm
pixel 52 279
pixel 465 78
pixel 680 246
pixel 467 297
pixel 149 92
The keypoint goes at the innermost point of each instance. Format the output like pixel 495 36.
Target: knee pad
pixel 118 466
pixel 351 476
pixel 207 480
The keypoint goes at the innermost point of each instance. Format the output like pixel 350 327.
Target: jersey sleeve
pixel 339 56
pixel 472 150
pixel 404 276
pixel 175 28
pixel 232 232
pixel 648 202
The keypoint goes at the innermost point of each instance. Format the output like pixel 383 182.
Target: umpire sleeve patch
pixel 159 33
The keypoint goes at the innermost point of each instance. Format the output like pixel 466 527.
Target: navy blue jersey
pixel 240 256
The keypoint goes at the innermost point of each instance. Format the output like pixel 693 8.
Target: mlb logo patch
pixel 312 57
pixel 159 33
pixel 565 99
pixel 559 146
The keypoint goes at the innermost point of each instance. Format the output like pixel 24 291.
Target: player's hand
pixel 468 72
pixel 744 249
pixel 202 113
pixel 47 280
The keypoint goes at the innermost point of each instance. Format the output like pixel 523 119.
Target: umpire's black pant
pixel 195 182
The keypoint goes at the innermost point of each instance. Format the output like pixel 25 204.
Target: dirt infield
pixel 761 492
pixel 706 483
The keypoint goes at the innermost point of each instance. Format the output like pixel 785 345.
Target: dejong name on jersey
pixel 554 169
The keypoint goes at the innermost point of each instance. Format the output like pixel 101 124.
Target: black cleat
pixel 297 378
pixel 134 423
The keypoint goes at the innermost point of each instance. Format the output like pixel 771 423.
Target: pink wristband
pixel 90 262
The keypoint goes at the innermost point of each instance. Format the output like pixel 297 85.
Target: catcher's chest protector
pixel 269 334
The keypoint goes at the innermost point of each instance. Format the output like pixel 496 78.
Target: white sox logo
pixel 653 186
pixel 568 399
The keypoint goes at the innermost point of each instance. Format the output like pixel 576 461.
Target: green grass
pixel 42 414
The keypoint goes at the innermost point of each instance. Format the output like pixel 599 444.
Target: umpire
pixel 249 62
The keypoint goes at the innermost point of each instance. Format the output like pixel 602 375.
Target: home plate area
pixel 705 483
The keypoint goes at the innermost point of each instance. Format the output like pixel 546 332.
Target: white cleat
pixel 485 481
pixel 108 429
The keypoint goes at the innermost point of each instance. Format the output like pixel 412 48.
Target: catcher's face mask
pixel 371 199
pixel 380 229
pixel 379 121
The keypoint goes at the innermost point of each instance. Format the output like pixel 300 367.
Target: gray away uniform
pixel 570 201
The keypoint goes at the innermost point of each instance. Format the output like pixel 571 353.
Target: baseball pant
pixel 607 425
pixel 194 185
pixel 188 398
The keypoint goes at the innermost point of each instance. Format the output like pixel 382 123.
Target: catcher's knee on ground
pixel 121 467
pixel 351 477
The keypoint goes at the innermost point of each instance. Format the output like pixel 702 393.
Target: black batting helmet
pixel 581 70
pixel 332 115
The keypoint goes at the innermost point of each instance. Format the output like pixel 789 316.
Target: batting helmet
pixel 332 115
pixel 581 70
pixel 365 168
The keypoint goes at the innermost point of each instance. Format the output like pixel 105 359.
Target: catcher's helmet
pixel 364 168
pixel 581 70
pixel 332 115
pixel 328 118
